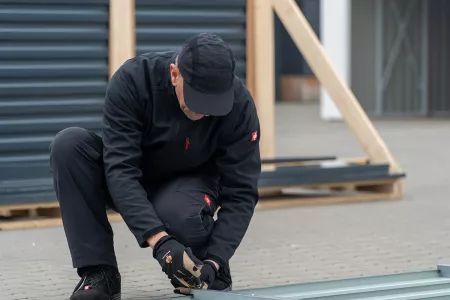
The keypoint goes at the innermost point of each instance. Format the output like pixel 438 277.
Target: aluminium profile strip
pixel 407 286
pixel 215 295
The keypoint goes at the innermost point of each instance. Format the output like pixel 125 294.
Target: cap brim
pixel 208 104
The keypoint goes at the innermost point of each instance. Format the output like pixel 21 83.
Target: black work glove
pixel 178 262
pixel 207 277
pixel 208 274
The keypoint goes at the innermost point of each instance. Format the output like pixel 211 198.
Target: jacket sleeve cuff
pixel 142 239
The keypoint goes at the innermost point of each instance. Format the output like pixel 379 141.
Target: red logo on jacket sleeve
pixel 254 136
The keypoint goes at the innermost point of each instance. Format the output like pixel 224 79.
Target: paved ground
pixel 286 245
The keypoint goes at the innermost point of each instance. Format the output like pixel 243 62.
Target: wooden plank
pixel 122 34
pixel 49 204
pixel 309 45
pixel 24 208
pixel 264 73
pixel 250 47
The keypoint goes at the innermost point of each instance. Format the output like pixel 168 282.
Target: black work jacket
pixel 145 135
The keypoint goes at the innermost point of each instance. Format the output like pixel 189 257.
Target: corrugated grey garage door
pixel 165 24
pixel 438 57
pixel 53 74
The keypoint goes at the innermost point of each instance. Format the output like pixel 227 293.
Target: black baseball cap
pixel 207 65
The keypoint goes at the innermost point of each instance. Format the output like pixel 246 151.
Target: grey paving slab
pixel 284 246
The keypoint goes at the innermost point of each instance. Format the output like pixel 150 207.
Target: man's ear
pixel 173 74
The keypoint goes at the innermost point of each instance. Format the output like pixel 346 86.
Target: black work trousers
pixel 78 176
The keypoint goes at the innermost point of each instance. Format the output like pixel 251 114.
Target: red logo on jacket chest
pixel 207 200
pixel 186 144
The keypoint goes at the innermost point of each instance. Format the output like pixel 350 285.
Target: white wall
pixel 335 20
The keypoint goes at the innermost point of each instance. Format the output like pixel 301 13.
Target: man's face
pixel 177 82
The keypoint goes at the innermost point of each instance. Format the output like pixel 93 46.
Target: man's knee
pixel 191 230
pixel 67 142
pixel 185 214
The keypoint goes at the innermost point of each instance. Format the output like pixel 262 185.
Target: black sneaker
pixel 99 284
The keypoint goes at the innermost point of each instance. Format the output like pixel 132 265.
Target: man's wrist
pixel 155 238
pixel 215 264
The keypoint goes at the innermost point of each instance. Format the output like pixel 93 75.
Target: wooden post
pixel 122 41
pixel 264 72
pixel 309 45
pixel 250 46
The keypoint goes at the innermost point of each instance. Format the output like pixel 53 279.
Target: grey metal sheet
pixel 50 125
pixel 53 69
pixel 296 159
pixel 32 190
pixel 35 13
pixel 53 75
pixel 55 51
pixel 289 176
pixel 165 25
pixel 163 16
pixel 324 167
pixel 52 105
pixel 324 178
pixel 62 33
pixel 39 87
pixel 212 295
pixel 405 286
pixel 190 3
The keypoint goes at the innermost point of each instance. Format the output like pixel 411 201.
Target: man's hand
pixel 209 273
pixel 178 262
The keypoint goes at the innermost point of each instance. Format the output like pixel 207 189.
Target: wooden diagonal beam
pixel 309 45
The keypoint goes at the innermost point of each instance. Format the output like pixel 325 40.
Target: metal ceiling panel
pixel 405 286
